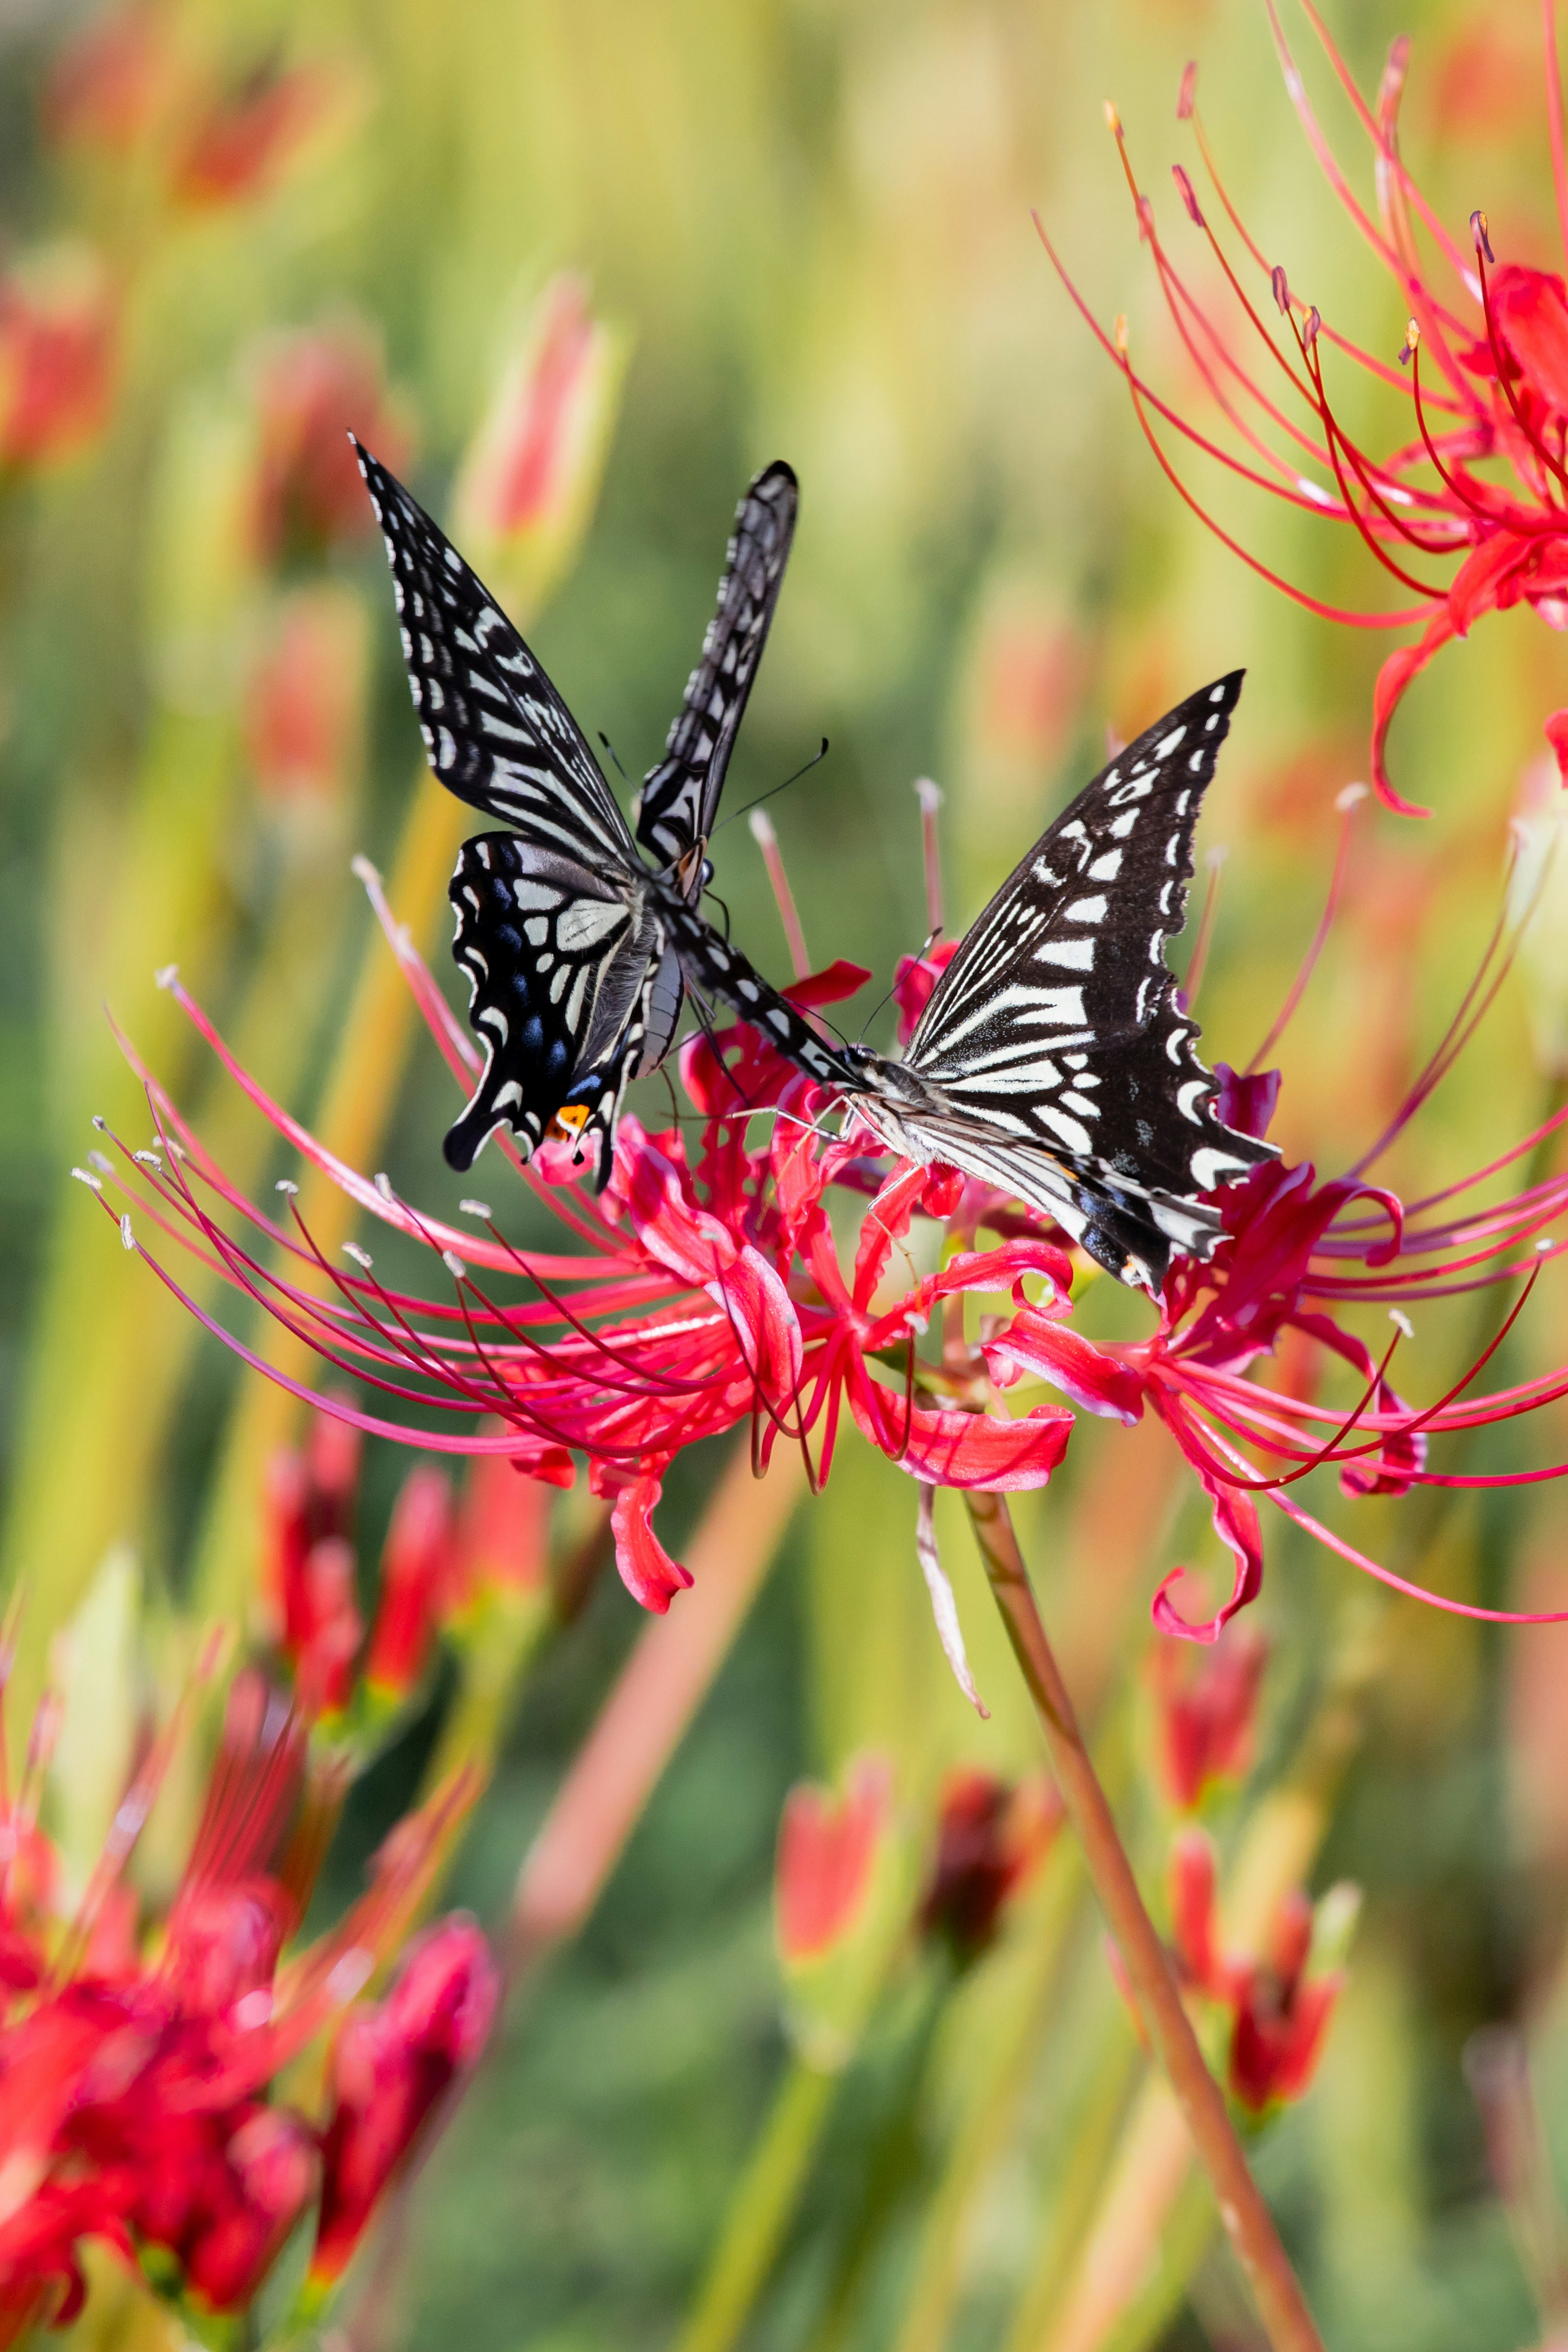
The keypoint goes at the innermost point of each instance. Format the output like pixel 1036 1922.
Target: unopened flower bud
pixel 528 483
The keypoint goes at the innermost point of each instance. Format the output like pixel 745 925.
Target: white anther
pixel 85 1176
pixel 149 1159
pixel 363 871
pixel 167 975
pixel 1402 1323
pixel 100 1122
pixel 101 1161
pixel 1350 796
pixel 127 1238
pixel 359 1256
pixel 454 1264
pixel 1216 856
pixel 383 1184
pixel 474 1208
pixel 285 1184
pixel 927 794
pixel 1544 1246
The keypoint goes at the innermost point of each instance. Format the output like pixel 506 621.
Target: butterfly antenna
pixel 815 759
pixel 614 756
pixel 720 904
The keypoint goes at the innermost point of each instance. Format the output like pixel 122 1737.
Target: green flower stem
pixel 1131 2227
pixel 1095 2133
pixel 993 2101
pixel 1280 2304
pixel 760 2210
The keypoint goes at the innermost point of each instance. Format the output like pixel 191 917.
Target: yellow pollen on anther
pixel 1121 333
pixel 1112 120
pixel 1412 335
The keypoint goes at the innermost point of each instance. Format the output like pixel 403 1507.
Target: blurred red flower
pixel 110 80
pixel 304 704
pixel 1208 1707
pixel 57 353
pixel 1278 2012
pixel 828 1852
pixel 311 389
pixel 992 1835
pixel 136 2095
pixel 245 142
pixel 390 2065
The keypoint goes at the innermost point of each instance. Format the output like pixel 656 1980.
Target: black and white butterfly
pixel 578 950
pixel 1053 1059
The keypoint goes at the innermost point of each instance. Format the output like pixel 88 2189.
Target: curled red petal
pixel 1235 1523
pixel 980 1451
pixel 1053 1351
pixel 647 1570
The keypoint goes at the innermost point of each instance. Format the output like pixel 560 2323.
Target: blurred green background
pixel 811 225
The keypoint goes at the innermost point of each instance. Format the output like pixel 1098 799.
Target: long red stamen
pixel 1347 803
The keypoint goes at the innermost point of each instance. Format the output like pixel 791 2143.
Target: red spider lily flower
pixel 310 389
pixel 704 1296
pixel 1207 1712
pixel 390 2065
pixel 1278 2012
pixel 1462 543
pixel 136 2100
pixel 246 143
pixel 58 348
pixel 304 702
pixel 827 1852
pixel 700 1297
pixel 991 1836
pixel 110 82
pixel 415 1567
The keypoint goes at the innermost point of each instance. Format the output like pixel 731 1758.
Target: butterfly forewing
pixel 1057 1018
pixel 497 732
pixel 1054 1051
pixel 680 796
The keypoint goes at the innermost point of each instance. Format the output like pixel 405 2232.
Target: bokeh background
pixel 796 230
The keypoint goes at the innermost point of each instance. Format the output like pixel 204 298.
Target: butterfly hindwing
pixel 555 965
pixel 680 796
pixel 496 731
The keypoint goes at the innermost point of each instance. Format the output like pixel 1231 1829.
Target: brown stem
pixel 1156 1992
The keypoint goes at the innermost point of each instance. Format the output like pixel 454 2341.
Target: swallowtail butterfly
pixel 579 949
pixel 1053 1059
